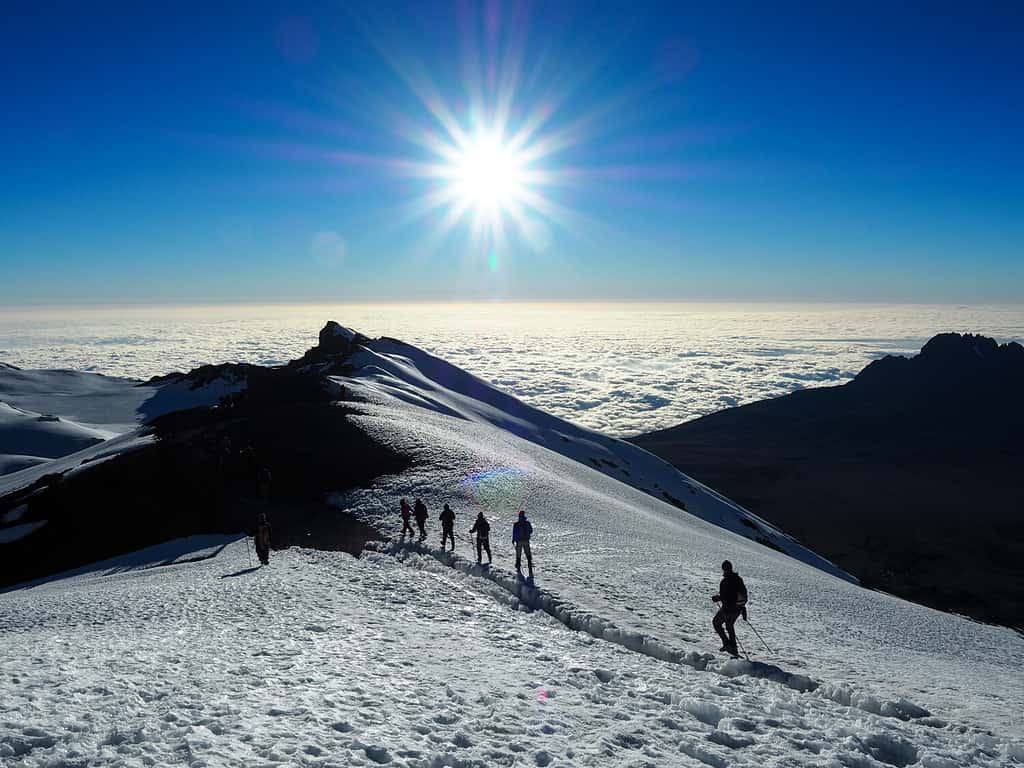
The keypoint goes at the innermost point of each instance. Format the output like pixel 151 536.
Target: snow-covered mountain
pixel 411 656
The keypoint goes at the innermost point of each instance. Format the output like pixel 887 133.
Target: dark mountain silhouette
pixel 202 474
pixel 910 477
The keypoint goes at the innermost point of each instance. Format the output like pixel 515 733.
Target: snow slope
pixel 643 570
pixel 108 402
pixel 325 660
pixel 50 414
pixel 31 434
pixel 404 373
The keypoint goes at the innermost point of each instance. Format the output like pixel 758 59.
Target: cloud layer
pixel 620 368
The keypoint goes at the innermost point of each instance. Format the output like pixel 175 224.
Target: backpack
pixel 741 592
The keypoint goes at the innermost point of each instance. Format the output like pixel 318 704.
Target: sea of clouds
pixel 620 368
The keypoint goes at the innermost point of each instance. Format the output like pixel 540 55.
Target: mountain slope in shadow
pixel 909 477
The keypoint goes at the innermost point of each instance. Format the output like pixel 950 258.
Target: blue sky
pixel 286 152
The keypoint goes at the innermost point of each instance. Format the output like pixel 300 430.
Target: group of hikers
pixel 522 530
pixel 731 596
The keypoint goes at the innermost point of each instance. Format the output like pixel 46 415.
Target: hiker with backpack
pixel 263 539
pixel 482 529
pixel 420 513
pixel 447 518
pixel 521 533
pixel 732 595
pixel 406 512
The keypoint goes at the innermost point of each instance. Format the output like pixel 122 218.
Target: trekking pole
pixel 248 549
pixel 759 636
pixel 742 649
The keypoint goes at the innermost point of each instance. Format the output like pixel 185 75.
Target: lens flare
pixel 497 490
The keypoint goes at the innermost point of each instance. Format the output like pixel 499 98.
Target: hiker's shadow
pixel 240 573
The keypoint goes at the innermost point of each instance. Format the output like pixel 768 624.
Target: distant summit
pixel 908 476
pixel 334 343
pixel 950 360
pixel 336 338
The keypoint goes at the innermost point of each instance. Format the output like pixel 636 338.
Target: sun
pixel 488 175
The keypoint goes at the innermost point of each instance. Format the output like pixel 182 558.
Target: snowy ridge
pixel 394 370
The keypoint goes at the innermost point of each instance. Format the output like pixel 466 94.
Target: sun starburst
pixel 488 175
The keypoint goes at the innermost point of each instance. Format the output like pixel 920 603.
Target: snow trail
pixel 519 594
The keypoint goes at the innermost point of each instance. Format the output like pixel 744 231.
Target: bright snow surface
pixel 417 658
pixel 325 660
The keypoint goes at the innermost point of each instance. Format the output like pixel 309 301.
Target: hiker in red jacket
pixel 406 515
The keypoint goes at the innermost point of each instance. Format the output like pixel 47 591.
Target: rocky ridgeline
pixel 950 361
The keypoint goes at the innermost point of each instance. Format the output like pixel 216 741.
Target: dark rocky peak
pixel 968 349
pixel 336 343
pixel 337 339
pixel 949 360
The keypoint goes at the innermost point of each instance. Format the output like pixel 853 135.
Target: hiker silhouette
pixel 732 595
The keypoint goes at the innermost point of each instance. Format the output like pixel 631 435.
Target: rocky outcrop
pixel 337 339
pixel 950 361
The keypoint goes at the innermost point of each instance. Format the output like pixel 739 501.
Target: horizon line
pixel 206 304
